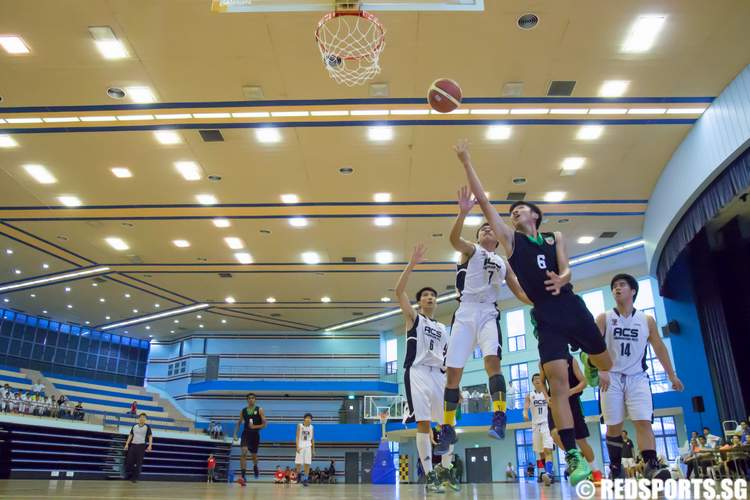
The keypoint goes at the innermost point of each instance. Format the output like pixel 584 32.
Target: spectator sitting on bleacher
pixel 52 406
pixel 744 431
pixel 25 403
pixel 16 402
pixel 78 411
pixel 133 408
pixel 287 474
pixel 217 431
pixel 278 476
pixel 6 394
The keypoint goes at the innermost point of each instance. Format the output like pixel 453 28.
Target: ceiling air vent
pixel 211 135
pixel 608 234
pixel 528 21
pixel 349 260
pixel 357 314
pixel 517 196
pixel 225 275
pixel 561 88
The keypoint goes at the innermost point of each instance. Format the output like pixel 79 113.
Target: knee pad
pixel 497 383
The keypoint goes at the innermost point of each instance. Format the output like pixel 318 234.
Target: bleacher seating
pixel 14 378
pixel 67 449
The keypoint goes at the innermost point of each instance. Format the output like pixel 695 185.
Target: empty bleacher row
pixel 67 449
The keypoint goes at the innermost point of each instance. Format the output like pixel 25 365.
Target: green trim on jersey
pixel 538 240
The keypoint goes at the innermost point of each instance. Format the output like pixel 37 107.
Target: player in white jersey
pixel 627 333
pixel 305 447
pixel 538 403
pixel 424 376
pixel 479 278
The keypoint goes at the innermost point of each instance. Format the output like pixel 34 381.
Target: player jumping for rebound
pixel 479 277
pixel 424 379
pixel 541 263
pixel 627 333
pixel 538 402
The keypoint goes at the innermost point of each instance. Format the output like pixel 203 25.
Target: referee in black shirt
pixel 136 447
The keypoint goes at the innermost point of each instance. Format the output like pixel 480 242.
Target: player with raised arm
pixel 541 263
pixel 424 377
pixel 480 274
pixel 628 332
pixel 254 420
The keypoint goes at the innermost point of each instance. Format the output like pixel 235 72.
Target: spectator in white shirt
pixel 711 440
pixel 465 402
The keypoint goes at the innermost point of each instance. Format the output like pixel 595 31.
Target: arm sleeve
pixel 131 431
pixel 148 431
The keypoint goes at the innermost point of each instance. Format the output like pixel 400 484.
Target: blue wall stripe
pixel 282 386
pixel 355 102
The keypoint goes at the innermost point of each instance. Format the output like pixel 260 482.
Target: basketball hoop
pixel 350 44
pixel 384 416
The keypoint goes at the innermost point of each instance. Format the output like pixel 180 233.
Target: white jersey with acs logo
pixel 539 408
pixel 627 341
pixel 305 435
pixel 426 343
pixel 479 279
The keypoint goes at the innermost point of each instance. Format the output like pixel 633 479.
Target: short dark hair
pixel 532 207
pixel 497 243
pixel 142 415
pixel 706 429
pixel 424 289
pixel 535 375
pixel 249 394
pixel 624 431
pixel 632 282
pixel 308 415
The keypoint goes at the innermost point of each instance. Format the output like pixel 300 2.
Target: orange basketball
pixel 444 95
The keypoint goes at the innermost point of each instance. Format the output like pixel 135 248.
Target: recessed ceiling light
pixel 176 321
pixel 571 164
pixel 383 221
pixel 33 295
pixel 111 49
pixel 198 316
pixel 385 299
pixel 102 299
pixel 107 318
pixel 189 170
pixel 325 299
pixel 206 199
pixel 200 326
pixel 181 243
pixel 685 111
pixel 9 251
pixel 40 174
pixel 69 201
pixel 613 88
pixel 95 285
pixel 310 258
pixel 7 141
pixel 234 243
pixel 270 300
pixel 167 137
pixel 6 300
pixel 589 132
pixel 69 306
pixel 171 331
pixel 380 133
pixel 473 220
pixel 117 243
pixel 17 271
pixel 384 257
pixel 498 132
pixel 268 135
pixel 243 258
pixel 608 111
pixel 224 321
pixel 127 295
pixel 67 288
pixel 141 95
pixel 135 311
pixel 157 306
pixel 554 196
pixel 382 197
pixel 642 34
pixel 289 198
pixel 230 300
pixel 87 322
pixel 585 240
pixel 220 222
pixel 45 266
pixel 14 44
pixel 298 222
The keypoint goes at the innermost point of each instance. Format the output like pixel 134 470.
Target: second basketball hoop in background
pixel 444 95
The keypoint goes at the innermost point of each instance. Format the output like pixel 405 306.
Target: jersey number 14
pixel 624 349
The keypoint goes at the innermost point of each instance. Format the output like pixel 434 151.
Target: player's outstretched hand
pixel 676 383
pixel 462 150
pixel 466 200
pixel 418 255
pixel 554 283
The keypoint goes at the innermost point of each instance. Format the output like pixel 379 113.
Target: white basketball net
pixel 350 44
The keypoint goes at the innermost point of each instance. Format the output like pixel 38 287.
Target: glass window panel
pixel 40 335
pixel 84 344
pixel 62 340
pixel 645 299
pixel 101 364
pixel 49 353
pixel 391 350
pixel 26 349
pixel 91 362
pixel 594 302
pixel 18 330
pixel 112 364
pixel 4 342
pixel 52 338
pixel 15 347
pixel 70 358
pixel 37 352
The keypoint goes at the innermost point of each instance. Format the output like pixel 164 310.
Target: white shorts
pixel 304 456
pixel 425 387
pixel 542 439
pixel 631 392
pixel 474 323
pixel 628 462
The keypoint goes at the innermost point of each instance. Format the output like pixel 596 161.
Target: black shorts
pixel 579 421
pixel 564 321
pixel 250 440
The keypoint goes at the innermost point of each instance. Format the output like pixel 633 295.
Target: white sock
pixel 424 448
pixel 446 459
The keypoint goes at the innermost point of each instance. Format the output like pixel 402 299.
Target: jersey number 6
pixel 541 261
